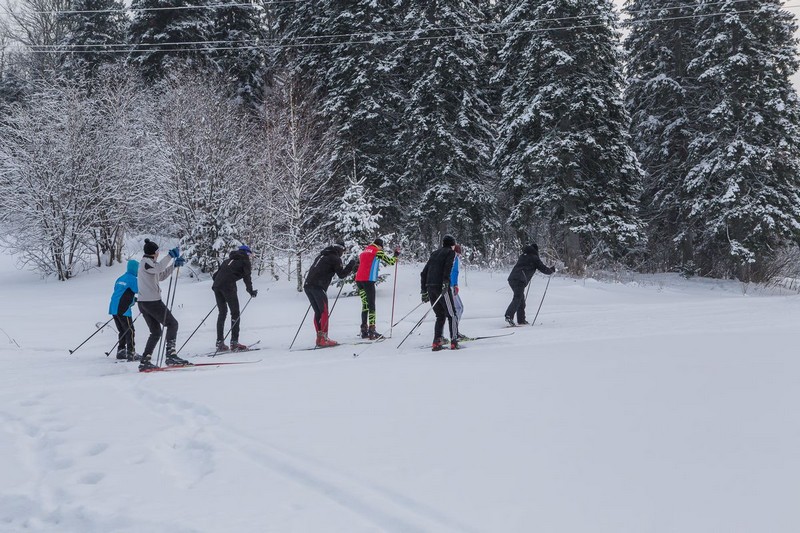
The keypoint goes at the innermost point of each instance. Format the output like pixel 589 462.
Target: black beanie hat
pixel 150 247
pixel 448 240
pixel 379 242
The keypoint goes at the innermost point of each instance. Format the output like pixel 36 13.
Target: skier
pixel 522 273
pixel 327 263
pixel 366 276
pixel 236 267
pixel 122 300
pixel 155 312
pixel 435 284
pixel 459 305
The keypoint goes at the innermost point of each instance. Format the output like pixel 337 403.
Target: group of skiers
pixel 438 286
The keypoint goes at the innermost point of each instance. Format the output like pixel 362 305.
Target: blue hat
pixel 246 249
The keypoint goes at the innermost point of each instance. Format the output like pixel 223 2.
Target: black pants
pixel 156 314
pixel 227 298
pixel 319 302
pixel 366 290
pixel 126 332
pixel 445 309
pixel 517 305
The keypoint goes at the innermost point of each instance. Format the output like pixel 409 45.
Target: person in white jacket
pixel 154 311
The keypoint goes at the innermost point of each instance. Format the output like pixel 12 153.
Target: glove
pixel 425 297
pixel 179 261
pixel 455 289
pixel 396 251
pixel 253 293
pixel 175 253
pixel 553 269
pixel 351 264
pixel 445 287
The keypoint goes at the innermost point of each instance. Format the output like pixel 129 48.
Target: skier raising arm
pixel 519 278
pixel 366 276
pixel 327 263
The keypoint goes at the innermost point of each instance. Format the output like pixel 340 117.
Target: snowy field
pixel 660 406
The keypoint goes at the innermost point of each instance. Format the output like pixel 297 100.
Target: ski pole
pixel 407 314
pixel 540 303
pixel 420 320
pixel 126 331
pixel 198 327
pixel 92 335
pixel 335 300
pixel 160 350
pixel 394 292
pixel 301 325
pixel 233 324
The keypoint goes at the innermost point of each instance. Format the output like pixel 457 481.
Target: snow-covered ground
pixel 662 406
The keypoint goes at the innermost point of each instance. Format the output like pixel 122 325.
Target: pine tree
pixel 168 39
pixel 745 173
pixel 447 135
pixel 563 149
pixel 660 97
pixel 359 99
pixel 239 52
pixel 97 33
pixel 356 220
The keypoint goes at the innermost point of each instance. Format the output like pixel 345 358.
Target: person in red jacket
pixel 369 263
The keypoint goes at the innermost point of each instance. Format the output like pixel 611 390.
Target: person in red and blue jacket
pixel 123 298
pixel 366 276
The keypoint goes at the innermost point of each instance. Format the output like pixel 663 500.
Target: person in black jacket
pixel 327 263
pixel 522 273
pixel 236 267
pixel 435 288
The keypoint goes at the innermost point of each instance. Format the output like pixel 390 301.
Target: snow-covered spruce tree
pixel 360 100
pixel 660 98
pixel 208 140
pixel 356 221
pixel 745 176
pixel 97 30
pixel 238 47
pixel 446 131
pixel 563 149
pixel 164 40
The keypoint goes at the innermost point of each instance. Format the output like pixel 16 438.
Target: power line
pixel 174 8
pixel 277 44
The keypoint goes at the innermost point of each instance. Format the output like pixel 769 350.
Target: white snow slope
pixel 661 406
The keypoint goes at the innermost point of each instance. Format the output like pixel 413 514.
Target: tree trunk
pixel 299 263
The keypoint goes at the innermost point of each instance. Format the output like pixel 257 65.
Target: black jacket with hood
pixel 236 267
pixel 438 268
pixel 527 265
pixel 328 263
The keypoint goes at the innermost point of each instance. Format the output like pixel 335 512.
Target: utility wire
pixel 277 44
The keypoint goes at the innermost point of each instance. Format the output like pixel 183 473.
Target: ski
pixel 340 344
pixel 487 336
pixel 196 365
pixel 217 354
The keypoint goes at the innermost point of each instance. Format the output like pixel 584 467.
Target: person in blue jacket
pixel 125 289
pixel 459 305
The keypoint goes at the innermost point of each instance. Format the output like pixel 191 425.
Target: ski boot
pixel 372 334
pixel 454 345
pixel 510 321
pixel 523 322
pixel 364 332
pixel 131 355
pixel 222 347
pixel 462 337
pixel 172 358
pixel 145 364
pixel 323 341
pixel 122 354
pixel 236 347
pixel 437 344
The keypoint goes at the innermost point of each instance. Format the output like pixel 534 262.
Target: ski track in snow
pixel 377 505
